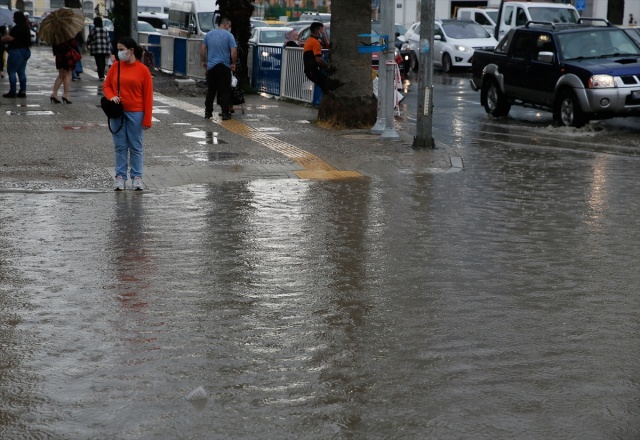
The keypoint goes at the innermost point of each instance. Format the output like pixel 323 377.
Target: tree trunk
pixel 239 12
pixel 615 11
pixel 350 102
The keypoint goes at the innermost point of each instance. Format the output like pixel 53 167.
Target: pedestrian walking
pixel 219 55
pixel 18 50
pixel 75 73
pixel 67 55
pixel 314 64
pixel 99 45
pixel 129 82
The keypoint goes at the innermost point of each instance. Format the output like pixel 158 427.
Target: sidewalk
pixel 68 146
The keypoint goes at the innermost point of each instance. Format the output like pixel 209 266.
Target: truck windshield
pixel 553 15
pixel 589 44
pixel 206 21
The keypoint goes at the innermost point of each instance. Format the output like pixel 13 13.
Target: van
pixel 159 21
pixel 516 14
pixel 485 17
pixel 192 18
pixel 316 16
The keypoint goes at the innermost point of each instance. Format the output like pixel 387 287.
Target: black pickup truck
pixel 578 71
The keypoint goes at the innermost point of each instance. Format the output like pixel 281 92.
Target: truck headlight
pixel 462 48
pixel 601 82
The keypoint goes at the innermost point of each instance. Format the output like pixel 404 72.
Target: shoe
pixel 66 101
pixel 208 115
pixel 137 183
pixel 54 100
pixel 101 79
pixel 73 79
pixel 226 116
pixel 9 95
pixel 119 186
pixel 21 95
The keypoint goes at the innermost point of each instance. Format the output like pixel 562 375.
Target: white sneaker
pixel 137 183
pixel 119 186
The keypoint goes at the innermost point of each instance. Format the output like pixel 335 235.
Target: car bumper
pixel 617 100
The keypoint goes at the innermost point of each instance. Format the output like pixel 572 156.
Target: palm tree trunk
pixel 350 101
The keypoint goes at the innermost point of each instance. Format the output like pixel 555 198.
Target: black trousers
pixel 100 64
pixel 319 78
pixel 218 83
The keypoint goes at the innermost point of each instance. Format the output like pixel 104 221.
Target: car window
pixel 481 19
pixel 520 45
pixel 269 36
pixel 521 17
pixel 462 30
pixel 143 26
pixel 554 15
pixel 596 44
pixel 437 30
pixel 544 43
pixel 493 15
pixel 507 15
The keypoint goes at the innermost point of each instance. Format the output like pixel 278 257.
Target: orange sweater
pixel 136 88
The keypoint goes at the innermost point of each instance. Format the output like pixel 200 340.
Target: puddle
pixel 31 113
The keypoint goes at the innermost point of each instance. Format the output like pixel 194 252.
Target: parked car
pixel 579 72
pixel 159 21
pixel 145 27
pixel 399 41
pixel 272 36
pixel 485 17
pixel 258 23
pixel 454 43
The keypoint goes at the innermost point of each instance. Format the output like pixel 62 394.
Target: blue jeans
pixel 128 144
pixel 17 63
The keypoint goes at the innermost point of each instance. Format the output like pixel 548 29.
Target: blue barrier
pixel 180 56
pixel 154 48
pixel 267 68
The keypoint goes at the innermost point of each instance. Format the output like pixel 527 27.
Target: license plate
pixel 635 95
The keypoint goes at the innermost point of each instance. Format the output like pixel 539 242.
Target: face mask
pixel 122 55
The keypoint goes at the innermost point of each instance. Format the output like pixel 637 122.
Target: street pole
pixel 424 124
pixel 386 74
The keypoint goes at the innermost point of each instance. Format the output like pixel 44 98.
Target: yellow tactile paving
pixel 314 167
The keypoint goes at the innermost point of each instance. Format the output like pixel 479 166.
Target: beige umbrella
pixel 61 25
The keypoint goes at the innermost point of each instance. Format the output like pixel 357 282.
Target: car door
pixel 508 20
pixel 543 74
pixel 516 67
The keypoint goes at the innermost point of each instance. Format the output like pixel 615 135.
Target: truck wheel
pixel 495 103
pixel 568 111
pixel 413 61
pixel 446 63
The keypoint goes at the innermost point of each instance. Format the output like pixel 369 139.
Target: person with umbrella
pixel 18 49
pixel 67 55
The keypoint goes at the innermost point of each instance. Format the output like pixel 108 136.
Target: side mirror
pixel 545 57
pixel 437 37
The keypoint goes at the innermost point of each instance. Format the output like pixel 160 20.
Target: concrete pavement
pixel 47 146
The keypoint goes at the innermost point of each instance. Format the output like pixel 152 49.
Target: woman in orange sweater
pixel 136 95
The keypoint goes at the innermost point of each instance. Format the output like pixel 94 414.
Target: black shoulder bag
pixel 113 110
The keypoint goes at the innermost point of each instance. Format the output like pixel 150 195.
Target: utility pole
pixel 424 124
pixel 386 75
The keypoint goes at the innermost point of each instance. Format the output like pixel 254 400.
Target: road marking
pixel 314 167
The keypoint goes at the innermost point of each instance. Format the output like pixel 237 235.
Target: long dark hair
pixel 130 43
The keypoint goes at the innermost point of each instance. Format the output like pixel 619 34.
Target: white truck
pixel 192 18
pixel 486 17
pixel 516 14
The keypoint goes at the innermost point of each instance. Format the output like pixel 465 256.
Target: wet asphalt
pixel 279 280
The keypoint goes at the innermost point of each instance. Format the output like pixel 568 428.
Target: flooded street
pixel 499 302
pixel 492 303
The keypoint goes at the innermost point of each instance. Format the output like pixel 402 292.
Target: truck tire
pixel 495 103
pixel 567 111
pixel 446 63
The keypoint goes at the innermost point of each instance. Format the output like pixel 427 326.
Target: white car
pixel 454 42
pixel 147 28
pixel 269 36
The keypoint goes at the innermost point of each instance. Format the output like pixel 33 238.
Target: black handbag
pixel 113 110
